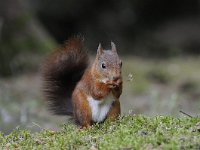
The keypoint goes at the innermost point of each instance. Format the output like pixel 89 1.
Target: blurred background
pixel 158 41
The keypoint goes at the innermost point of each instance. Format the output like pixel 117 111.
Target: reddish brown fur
pixel 81 109
pixel 91 85
pixel 115 111
pixel 66 77
pixel 117 91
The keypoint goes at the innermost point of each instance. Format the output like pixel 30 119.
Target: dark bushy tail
pixel 61 72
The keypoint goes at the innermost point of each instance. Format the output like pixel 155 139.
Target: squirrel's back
pixel 61 72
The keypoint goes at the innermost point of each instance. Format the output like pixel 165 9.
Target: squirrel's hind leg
pixel 115 111
pixel 81 109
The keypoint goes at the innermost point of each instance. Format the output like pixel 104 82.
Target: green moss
pixel 137 132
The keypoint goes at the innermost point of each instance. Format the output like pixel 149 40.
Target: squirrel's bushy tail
pixel 61 72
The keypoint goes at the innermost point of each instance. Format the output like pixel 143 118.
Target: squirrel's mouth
pixel 114 84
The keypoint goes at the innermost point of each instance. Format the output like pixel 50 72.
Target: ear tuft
pixel 113 47
pixel 99 50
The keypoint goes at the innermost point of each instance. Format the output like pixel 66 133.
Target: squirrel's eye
pixel 103 66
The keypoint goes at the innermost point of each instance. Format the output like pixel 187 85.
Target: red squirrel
pixel 88 92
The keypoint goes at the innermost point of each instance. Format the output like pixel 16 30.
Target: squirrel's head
pixel 108 66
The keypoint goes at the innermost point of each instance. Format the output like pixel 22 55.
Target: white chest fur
pixel 100 108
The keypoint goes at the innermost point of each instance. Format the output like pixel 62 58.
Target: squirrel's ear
pixel 99 50
pixel 113 47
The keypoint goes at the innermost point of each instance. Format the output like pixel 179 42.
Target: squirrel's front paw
pixel 115 84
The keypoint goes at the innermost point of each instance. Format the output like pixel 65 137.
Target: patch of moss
pixel 136 132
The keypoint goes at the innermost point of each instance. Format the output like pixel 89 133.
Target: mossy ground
pixel 129 132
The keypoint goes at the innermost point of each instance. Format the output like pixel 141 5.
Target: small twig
pixel 37 125
pixel 185 114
